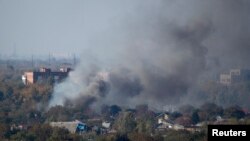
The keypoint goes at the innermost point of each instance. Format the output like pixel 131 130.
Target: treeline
pixel 37 132
pixel 24 114
pixel 234 94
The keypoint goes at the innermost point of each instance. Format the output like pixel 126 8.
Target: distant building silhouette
pixel 235 76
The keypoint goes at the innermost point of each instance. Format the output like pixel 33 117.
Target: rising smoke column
pixel 155 52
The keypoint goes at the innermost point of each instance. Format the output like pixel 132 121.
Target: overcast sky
pixel 167 44
pixel 101 27
pixel 40 27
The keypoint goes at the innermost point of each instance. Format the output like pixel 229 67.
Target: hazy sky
pixel 153 51
pixel 40 27
pixel 167 46
pixel 101 27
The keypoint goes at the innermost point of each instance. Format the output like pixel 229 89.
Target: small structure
pixel 44 74
pixel 163 118
pixel 73 126
pixel 192 129
pixel 164 122
pixel 178 127
pixel 106 124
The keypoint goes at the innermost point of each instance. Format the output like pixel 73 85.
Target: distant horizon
pixel 37 56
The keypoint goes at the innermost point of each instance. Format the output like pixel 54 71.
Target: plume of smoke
pixel 156 52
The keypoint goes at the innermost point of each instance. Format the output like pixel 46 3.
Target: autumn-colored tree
pixel 125 122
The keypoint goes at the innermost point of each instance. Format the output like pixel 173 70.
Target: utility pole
pixel 49 60
pixel 32 61
pixel 74 59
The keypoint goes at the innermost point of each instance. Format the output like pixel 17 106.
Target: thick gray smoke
pixel 156 52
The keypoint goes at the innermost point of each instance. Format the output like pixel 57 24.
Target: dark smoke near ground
pixel 156 52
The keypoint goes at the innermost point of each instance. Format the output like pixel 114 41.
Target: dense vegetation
pixel 24 114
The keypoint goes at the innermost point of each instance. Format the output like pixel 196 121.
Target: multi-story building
pixel 235 76
pixel 44 74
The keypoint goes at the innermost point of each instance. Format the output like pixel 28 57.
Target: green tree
pixel 234 112
pixel 23 136
pixel 4 130
pixel 195 117
pixel 59 134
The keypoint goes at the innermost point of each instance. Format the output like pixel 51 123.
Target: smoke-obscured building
pixel 235 76
pixel 44 74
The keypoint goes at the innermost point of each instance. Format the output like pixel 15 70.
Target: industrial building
pixel 44 74
pixel 235 76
